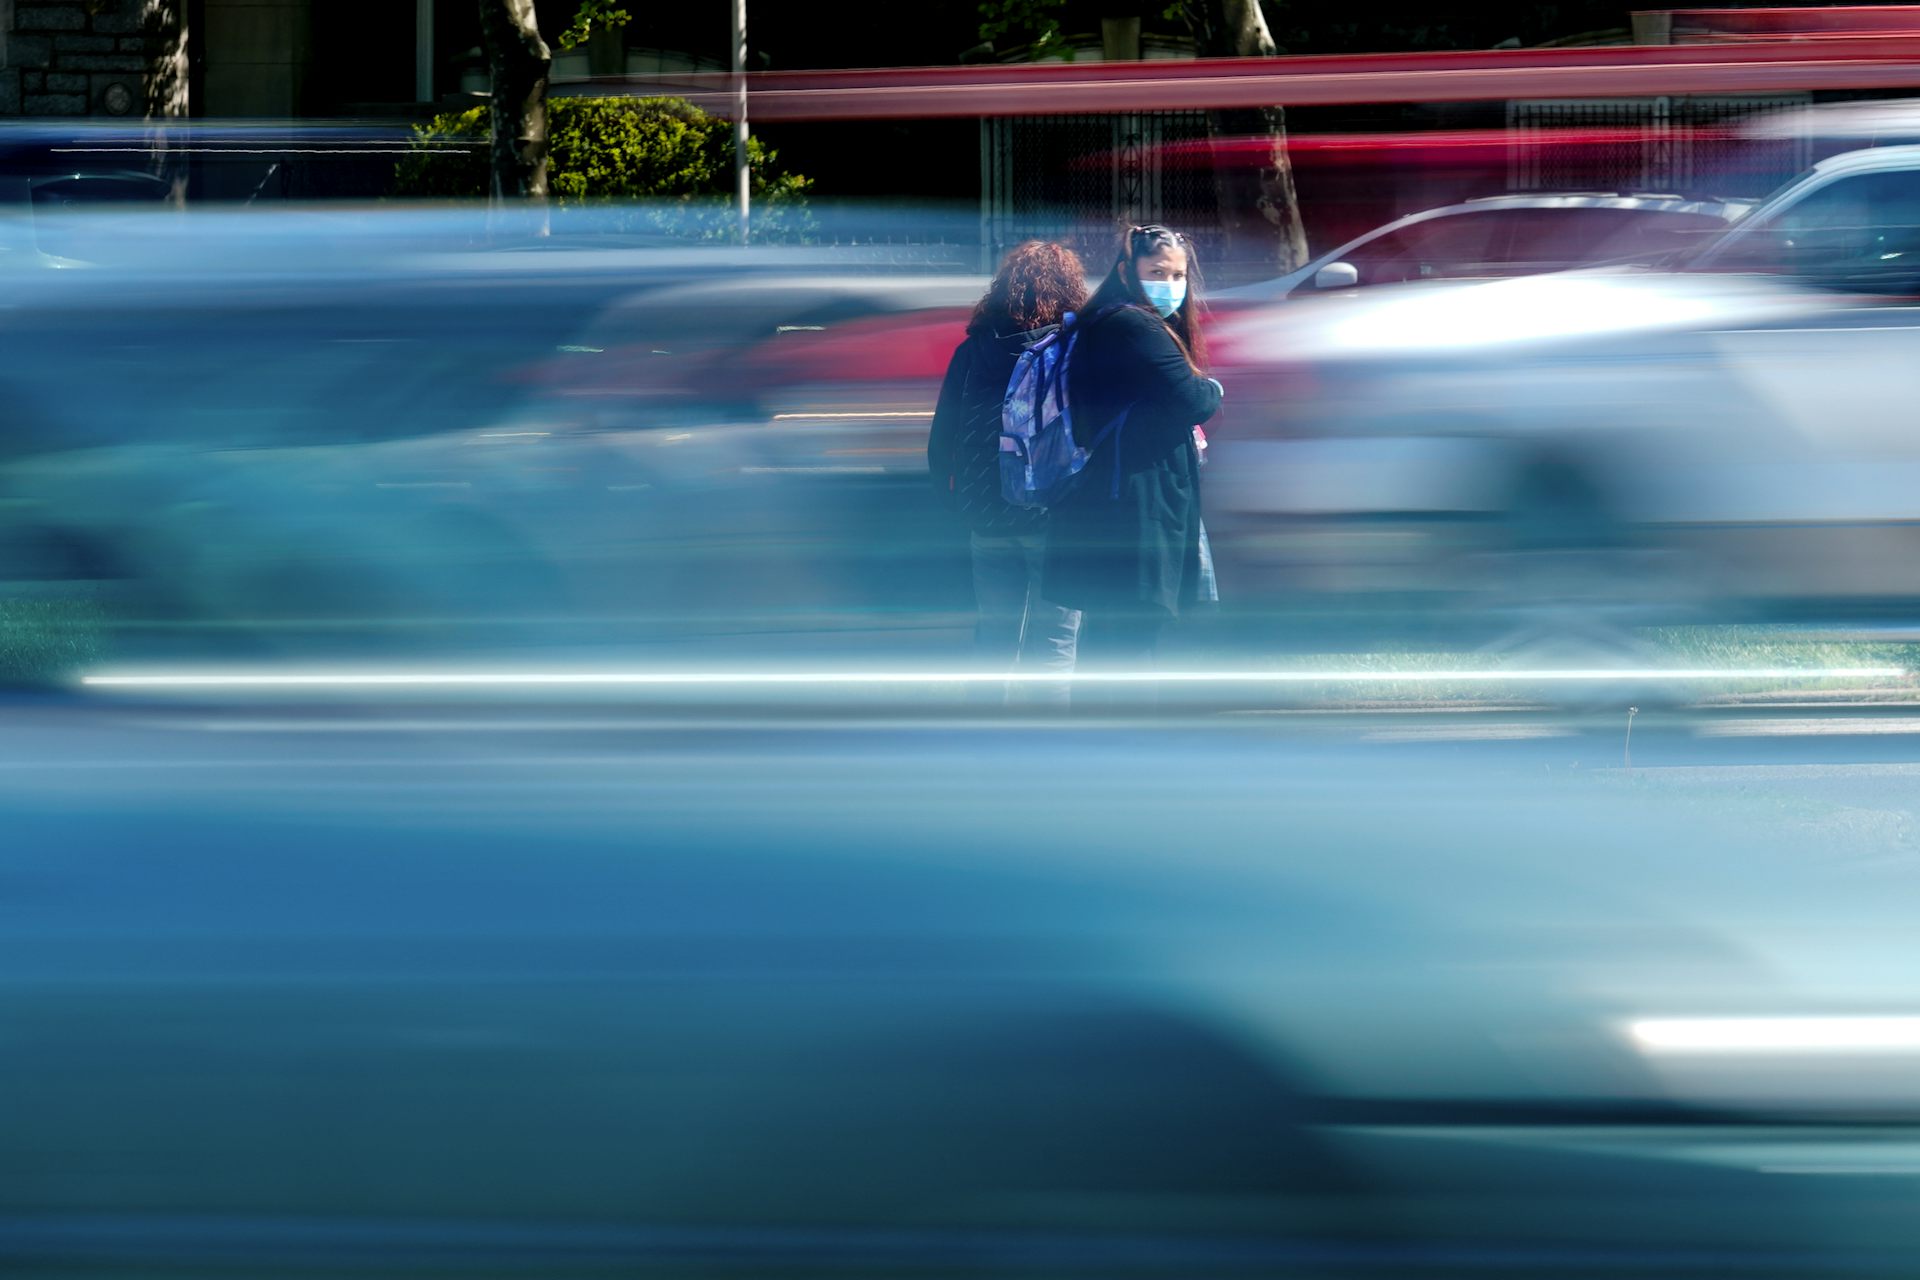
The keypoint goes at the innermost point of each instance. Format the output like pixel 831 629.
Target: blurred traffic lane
pixel 134 731
pixel 737 966
pixel 360 456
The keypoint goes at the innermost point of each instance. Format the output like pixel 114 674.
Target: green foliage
pixel 1033 23
pixel 593 13
pixel 664 151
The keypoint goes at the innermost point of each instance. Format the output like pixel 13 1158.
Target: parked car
pixel 1510 235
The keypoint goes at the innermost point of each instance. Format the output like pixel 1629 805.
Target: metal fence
pixel 1077 179
pixel 1678 145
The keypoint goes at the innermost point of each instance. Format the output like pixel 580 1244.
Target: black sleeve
pixel 1159 369
pixel 948 421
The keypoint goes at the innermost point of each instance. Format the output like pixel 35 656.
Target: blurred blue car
pixel 317 430
pixel 446 1002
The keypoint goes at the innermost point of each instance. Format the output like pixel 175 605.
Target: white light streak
pixel 855 679
pixel 1823 727
pixel 840 417
pixel 1469 733
pixel 813 471
pixel 1777 1035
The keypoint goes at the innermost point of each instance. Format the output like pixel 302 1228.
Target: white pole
pixel 740 112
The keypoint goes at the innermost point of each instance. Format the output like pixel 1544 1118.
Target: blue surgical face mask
pixel 1165 296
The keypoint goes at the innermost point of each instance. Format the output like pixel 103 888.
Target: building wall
pixel 256 57
pixel 364 52
pixel 273 59
pixel 83 57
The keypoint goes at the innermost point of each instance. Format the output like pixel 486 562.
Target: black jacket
pixel 963 449
pixel 1139 551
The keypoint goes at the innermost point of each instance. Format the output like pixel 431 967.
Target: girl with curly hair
pixel 1016 627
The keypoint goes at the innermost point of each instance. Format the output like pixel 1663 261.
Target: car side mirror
pixel 1336 275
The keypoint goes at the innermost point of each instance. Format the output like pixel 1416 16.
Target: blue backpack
pixel 1040 463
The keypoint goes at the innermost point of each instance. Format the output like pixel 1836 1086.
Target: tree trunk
pixel 169 81
pixel 520 61
pixel 1259 209
pixel 163 29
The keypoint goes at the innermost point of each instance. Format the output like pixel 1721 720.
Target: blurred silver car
pixel 1508 235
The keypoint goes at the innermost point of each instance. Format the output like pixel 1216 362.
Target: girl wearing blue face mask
pixel 1126 547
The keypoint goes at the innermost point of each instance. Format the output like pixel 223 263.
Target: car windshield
pixel 1858 231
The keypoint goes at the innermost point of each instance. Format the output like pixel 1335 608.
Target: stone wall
pixel 91 58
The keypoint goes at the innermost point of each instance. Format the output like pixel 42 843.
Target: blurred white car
pixel 1731 436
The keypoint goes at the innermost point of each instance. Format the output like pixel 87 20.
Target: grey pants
pixel 1017 629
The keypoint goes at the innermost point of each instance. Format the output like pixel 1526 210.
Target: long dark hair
pixel 1122 287
pixel 1038 283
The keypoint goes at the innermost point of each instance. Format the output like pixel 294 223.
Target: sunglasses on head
pixel 1144 240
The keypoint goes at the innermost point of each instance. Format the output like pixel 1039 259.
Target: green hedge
pixel 664 151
